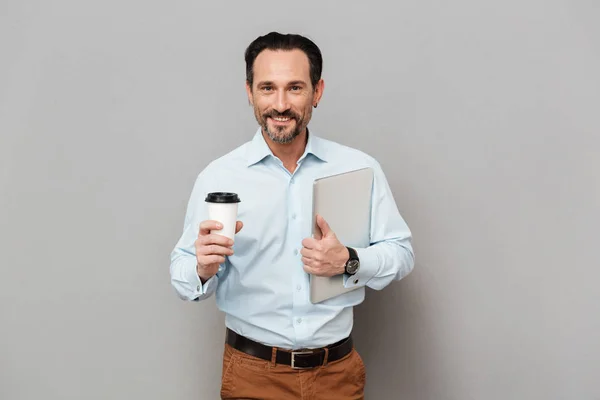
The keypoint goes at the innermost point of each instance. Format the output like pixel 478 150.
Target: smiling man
pixel 282 106
pixel 278 344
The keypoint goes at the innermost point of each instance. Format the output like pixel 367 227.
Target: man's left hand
pixel 325 256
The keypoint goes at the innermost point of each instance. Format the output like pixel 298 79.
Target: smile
pixel 281 119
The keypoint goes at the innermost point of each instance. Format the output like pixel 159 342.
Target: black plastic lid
pixel 222 197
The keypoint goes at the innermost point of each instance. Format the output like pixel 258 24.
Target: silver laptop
pixel 344 201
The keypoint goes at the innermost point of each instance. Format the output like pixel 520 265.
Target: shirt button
pixel 295 252
pixel 355 281
pixel 292 181
pixel 299 320
pixel 298 288
pixel 198 288
pixel 294 216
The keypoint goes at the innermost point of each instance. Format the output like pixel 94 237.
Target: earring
pixel 316 105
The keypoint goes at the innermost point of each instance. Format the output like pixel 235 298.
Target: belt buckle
pixel 294 354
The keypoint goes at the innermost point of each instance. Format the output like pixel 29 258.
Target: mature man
pixel 278 344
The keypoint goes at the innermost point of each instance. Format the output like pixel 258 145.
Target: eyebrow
pixel 292 83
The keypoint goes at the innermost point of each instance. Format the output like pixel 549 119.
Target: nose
pixel 281 102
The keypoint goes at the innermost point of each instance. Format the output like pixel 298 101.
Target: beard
pixel 282 134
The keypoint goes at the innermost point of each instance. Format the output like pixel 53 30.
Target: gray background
pixel 484 116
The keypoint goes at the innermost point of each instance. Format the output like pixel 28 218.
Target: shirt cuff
pixel 196 284
pixel 369 265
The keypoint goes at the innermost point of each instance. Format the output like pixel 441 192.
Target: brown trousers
pixel 248 377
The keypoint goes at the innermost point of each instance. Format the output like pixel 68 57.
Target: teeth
pixel 281 119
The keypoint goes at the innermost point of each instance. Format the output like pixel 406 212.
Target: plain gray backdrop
pixel 483 114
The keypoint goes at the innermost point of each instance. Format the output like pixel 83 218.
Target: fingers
pixel 309 270
pixel 311 254
pixel 212 249
pixel 209 225
pixel 316 271
pixel 310 243
pixel 215 238
pixel 208 264
pixel 211 260
pixel 215 249
pixel 311 262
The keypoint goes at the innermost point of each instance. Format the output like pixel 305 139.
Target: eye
pixel 295 88
pixel 267 88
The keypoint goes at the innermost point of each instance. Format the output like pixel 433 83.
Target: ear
pixel 249 93
pixel 319 88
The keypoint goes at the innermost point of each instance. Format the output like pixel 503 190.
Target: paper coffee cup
pixel 223 208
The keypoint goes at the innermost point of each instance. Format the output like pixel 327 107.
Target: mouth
pixel 281 120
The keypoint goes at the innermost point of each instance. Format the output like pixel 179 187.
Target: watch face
pixel 352 266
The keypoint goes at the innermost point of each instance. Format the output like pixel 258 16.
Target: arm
pixel 184 272
pixel 184 275
pixel 390 256
pixel 199 255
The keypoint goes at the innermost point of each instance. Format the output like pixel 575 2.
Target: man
pixel 278 344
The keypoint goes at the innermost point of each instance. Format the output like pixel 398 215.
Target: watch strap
pixel 353 254
pixel 353 257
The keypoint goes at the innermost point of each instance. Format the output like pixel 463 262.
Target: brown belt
pixel 300 359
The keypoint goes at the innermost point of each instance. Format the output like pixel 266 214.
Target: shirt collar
pixel 258 149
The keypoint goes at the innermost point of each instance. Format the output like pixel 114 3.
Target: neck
pixel 288 153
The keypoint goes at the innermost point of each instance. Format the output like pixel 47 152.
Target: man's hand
pixel 212 249
pixel 325 256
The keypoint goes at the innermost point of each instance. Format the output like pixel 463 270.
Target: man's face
pixel 282 94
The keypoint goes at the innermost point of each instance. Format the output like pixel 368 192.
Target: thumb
pixel 238 226
pixel 324 226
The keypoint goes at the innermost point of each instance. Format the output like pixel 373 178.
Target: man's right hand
pixel 211 249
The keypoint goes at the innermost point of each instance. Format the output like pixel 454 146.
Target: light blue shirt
pixel 263 289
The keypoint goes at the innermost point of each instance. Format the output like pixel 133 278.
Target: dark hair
pixel 278 41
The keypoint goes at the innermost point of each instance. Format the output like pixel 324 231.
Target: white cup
pixel 223 208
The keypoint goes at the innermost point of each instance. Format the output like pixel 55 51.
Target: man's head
pixel 283 82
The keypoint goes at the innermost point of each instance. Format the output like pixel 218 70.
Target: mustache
pixel 285 114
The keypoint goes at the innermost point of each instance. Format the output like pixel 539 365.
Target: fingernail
pixel 219 226
pixel 230 242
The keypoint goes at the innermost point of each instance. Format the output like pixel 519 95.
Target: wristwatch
pixel 353 263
